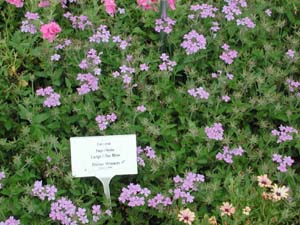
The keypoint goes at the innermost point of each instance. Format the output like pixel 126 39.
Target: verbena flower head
pixel 104 120
pixel 10 221
pixel 52 98
pixel 283 162
pixel 284 133
pixel 228 55
pixel 204 10
pixel 43 192
pixel 199 93
pixel 215 132
pixel 134 195
pixel 164 25
pixel 193 42
pixel 227 154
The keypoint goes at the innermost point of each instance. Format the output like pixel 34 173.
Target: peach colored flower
pixel 186 216
pixel 279 193
pixel 227 209
pixel 110 6
pixel 212 220
pixel 266 196
pixel 50 30
pixel 264 181
pixel 246 210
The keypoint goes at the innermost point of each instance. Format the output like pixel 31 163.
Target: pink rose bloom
pixel 110 6
pixel 17 3
pixel 44 4
pixel 172 4
pixel 50 30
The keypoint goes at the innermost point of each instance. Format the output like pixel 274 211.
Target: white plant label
pixel 104 157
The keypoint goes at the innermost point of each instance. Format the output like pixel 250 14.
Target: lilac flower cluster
pixel 294 86
pixel 102 35
pixel 65 2
pixel 228 55
pixel 183 187
pixel 290 53
pixel 52 99
pixel 28 25
pixel 193 42
pixel 10 221
pixel 125 72
pixel 227 154
pixel 215 132
pixel 56 57
pixel 284 133
pixel 104 120
pixel 245 22
pixel 164 25
pixel 144 67
pixel 159 201
pixel 65 212
pixel 215 27
pixel 43 192
pixel 88 83
pixel 147 151
pixel 123 44
pixel 167 65
pixel 78 22
pixel 2 176
pixel 134 195
pixel 219 73
pixel 283 162
pixel 92 62
pixel 141 108
pixel 198 93
pixel 203 11
pixel 233 9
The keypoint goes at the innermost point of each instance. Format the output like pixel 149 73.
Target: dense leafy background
pixel 174 122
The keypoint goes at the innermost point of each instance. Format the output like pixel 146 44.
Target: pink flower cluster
pixel 151 4
pixel 17 3
pixel 283 162
pixel 193 42
pixel 2 176
pixel 183 187
pixel 134 195
pixel 294 86
pixel 228 55
pixel 227 154
pixel 126 73
pixel 52 99
pixel 245 22
pixel 215 132
pixel 232 8
pixel 78 22
pixel 110 7
pixel 167 65
pixel 65 212
pixel 10 221
pixel 159 201
pixel 44 4
pixel 147 152
pixel 219 73
pixel 50 30
pixel 43 192
pixel 104 120
pixel 198 93
pixel 164 25
pixel 102 35
pixel 284 133
pixel 204 10
pixel 27 25
pixel 88 83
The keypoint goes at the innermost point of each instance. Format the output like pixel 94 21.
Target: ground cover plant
pixel 212 90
